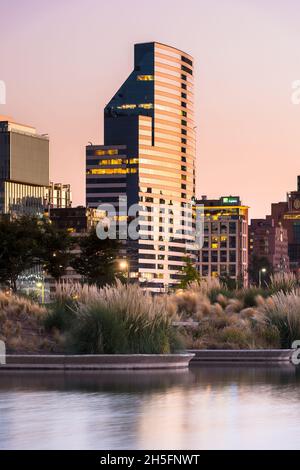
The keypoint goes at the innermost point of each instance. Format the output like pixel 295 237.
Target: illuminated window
pixel 113 161
pixel 127 106
pixel 146 105
pixel 111 171
pixel 145 78
pixel 106 152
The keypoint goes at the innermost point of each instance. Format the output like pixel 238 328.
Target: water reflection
pixel 204 408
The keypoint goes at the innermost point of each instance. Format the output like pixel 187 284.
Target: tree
pixel 96 261
pixel 54 249
pixel 189 273
pixel 18 248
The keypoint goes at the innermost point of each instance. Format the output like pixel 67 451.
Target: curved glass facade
pixel 152 114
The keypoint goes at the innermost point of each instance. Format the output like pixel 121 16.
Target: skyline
pixel 63 86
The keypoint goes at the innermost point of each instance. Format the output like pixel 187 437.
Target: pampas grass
pixel 283 282
pixel 282 311
pixel 121 318
pixel 21 325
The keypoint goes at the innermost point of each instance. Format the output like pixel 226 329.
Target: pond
pixel 206 407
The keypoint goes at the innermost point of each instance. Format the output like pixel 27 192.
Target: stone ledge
pixel 241 355
pixel 97 362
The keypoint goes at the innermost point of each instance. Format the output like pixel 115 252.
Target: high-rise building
pixel 149 157
pixel 270 241
pixel 288 214
pixel 24 169
pixel 24 172
pixel 225 244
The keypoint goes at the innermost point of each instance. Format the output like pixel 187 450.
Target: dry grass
pixel 282 311
pixel 283 282
pixel 21 325
pixel 119 318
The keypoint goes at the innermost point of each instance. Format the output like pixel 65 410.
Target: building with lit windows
pixel 24 168
pixel 149 156
pixel 24 172
pixel 76 220
pixel 225 245
pixel 269 240
pixel 287 213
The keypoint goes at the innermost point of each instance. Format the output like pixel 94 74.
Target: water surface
pixel 209 407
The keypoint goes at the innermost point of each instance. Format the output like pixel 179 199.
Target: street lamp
pixel 41 286
pixel 261 271
pixel 124 266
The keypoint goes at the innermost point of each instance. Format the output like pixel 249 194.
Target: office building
pixel 149 156
pixel 24 172
pixel 225 244
pixel 24 169
pixel 59 196
pixel 269 241
pixel 288 214
pixel 76 220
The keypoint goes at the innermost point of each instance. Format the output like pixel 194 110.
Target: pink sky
pixel 63 60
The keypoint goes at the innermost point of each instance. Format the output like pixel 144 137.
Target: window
pixel 113 161
pixel 126 106
pixel 205 270
pixel 111 171
pixel 232 227
pixel 106 152
pixel 146 105
pixel 223 241
pixel 232 270
pixel 186 60
pixel 145 78
pixel 187 70
pixel 232 242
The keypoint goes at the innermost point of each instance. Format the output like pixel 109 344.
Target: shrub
pixel 283 282
pixel 60 316
pixel 21 325
pixel 119 318
pixel 283 312
pixel 249 295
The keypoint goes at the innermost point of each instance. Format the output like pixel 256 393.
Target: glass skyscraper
pixel 149 157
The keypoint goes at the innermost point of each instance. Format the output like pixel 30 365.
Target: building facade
pixel 59 195
pixel 225 244
pixel 149 157
pixel 270 241
pixel 76 220
pixel 288 215
pixel 24 172
pixel 24 169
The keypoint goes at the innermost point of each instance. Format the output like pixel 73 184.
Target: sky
pixel 63 60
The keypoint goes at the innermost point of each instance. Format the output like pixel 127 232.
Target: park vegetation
pixel 123 318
